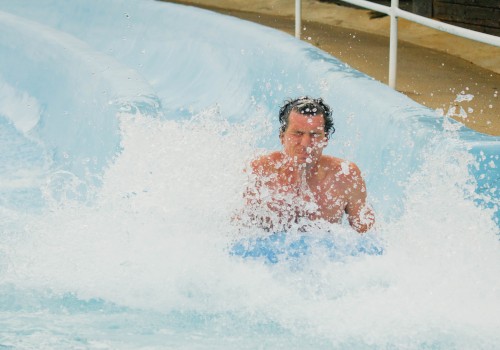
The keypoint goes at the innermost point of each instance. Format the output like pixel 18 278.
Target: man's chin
pixel 303 159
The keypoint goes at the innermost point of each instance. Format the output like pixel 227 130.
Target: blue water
pixel 124 129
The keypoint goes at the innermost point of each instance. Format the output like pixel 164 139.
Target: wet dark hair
pixel 307 106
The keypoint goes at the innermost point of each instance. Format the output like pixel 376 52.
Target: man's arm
pixel 256 212
pixel 360 215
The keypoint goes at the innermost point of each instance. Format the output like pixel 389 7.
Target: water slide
pixel 124 129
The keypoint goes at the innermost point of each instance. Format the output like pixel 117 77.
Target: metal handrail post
pixel 395 12
pixel 298 16
pixel 393 44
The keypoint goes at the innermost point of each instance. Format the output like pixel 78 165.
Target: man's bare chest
pixel 312 199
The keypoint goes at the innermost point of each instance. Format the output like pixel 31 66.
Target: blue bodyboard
pixel 282 246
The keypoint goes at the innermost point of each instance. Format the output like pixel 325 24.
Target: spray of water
pixel 156 237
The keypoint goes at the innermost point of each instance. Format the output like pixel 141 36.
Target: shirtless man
pixel 299 183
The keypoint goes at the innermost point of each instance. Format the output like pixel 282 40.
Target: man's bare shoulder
pixel 340 167
pixel 267 162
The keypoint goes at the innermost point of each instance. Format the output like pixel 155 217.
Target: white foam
pixel 156 238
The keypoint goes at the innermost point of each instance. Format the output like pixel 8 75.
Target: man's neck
pixel 300 171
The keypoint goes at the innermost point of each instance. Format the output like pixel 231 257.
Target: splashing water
pixel 124 133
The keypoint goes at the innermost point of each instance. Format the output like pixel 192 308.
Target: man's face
pixel 304 138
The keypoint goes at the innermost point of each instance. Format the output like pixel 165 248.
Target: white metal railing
pixel 394 12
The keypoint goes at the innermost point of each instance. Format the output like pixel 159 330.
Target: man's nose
pixel 306 140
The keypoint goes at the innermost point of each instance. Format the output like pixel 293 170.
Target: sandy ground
pixel 433 66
